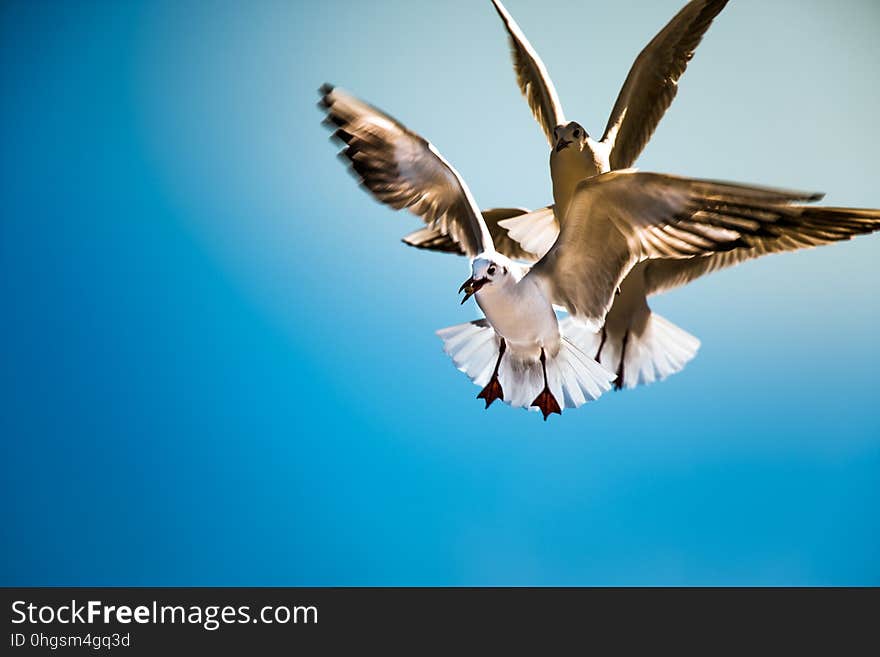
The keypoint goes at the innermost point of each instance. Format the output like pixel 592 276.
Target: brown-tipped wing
pixel 618 219
pixel 532 77
pixel 652 81
pixel 798 227
pixel 403 170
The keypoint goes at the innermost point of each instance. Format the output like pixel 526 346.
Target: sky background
pixel 219 362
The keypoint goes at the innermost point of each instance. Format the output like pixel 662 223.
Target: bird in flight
pixel 637 344
pixel 647 93
pixel 521 353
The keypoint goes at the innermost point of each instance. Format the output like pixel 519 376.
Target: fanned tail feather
pixel 473 347
pixel 659 350
pixel 574 377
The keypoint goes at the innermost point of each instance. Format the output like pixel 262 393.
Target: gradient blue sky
pixel 219 363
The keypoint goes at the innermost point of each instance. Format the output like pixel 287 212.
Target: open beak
pixel 471 286
pixel 562 143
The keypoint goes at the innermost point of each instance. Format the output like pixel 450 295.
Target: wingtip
pixel 505 17
pixel 325 90
pixel 500 8
pixel 342 136
pixel 343 157
pixel 331 121
pixel 805 197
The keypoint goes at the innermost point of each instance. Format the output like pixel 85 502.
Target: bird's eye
pixel 577 133
pixel 491 270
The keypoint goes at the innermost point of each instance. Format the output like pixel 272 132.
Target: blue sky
pixel 220 362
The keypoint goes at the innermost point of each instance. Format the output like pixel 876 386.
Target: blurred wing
pixel 652 81
pixel 620 218
pixel 433 240
pixel 799 227
pixel 403 170
pixel 532 77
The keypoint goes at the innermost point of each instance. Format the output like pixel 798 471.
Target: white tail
pixel 574 377
pixel 660 349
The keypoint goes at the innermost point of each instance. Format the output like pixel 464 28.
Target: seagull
pixel 638 345
pixel 647 93
pixel 520 352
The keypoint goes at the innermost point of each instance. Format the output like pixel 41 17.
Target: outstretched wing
pixel 652 81
pixel 403 170
pixel 532 77
pixel 618 219
pixel 517 233
pixel 799 227
pixel 433 240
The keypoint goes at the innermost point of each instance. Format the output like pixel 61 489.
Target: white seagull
pixel 520 353
pixel 647 93
pixel 639 346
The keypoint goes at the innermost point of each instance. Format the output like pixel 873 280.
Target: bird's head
pixel 488 271
pixel 572 134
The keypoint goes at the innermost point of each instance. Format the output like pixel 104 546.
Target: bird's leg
pixel 546 401
pixel 601 344
pixel 618 382
pixel 493 390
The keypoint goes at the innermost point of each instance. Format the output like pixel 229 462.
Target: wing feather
pixel 797 227
pixel 652 82
pixel 434 240
pixel 403 170
pixel 620 218
pixel 532 77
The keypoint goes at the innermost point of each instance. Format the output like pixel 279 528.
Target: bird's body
pixel 630 309
pixel 617 227
pixel 626 329
pixel 518 310
pixel 649 89
pixel 517 353
pixel 577 160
